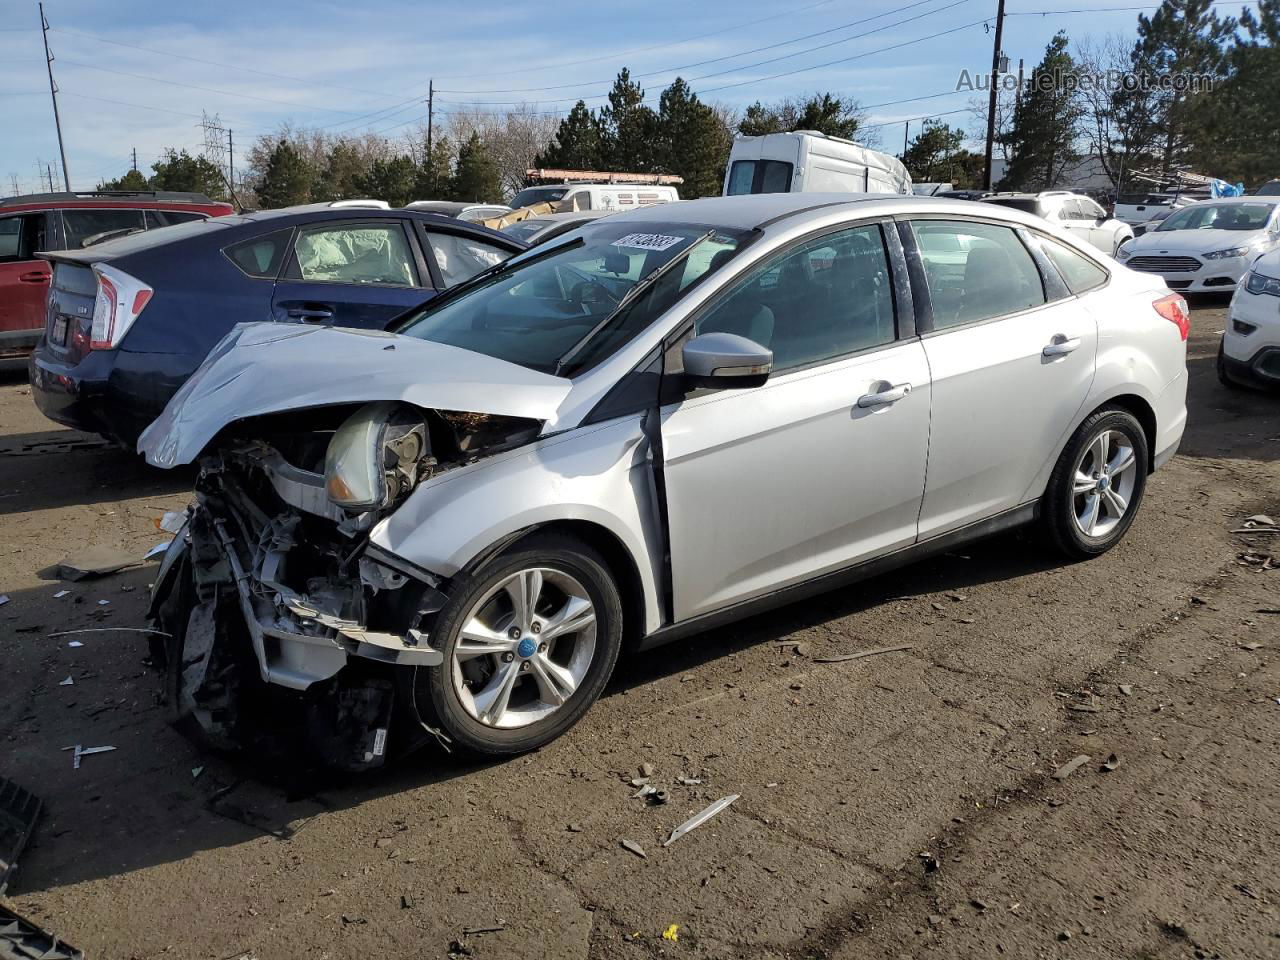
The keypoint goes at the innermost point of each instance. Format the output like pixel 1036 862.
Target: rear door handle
pixel 311 312
pixel 1061 345
pixel 892 395
pixel 34 276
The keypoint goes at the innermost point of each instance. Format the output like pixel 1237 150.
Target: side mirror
pixel 725 361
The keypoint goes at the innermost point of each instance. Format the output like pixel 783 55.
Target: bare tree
pixel 512 137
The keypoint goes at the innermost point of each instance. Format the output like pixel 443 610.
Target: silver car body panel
pixel 261 368
pixel 765 487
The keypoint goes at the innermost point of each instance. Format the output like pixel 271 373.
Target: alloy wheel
pixel 524 647
pixel 1103 483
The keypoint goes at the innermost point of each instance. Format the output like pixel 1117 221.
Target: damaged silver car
pixel 661 421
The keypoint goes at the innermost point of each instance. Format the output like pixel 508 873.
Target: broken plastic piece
pixel 157 550
pixel 94 562
pixel 4 598
pixel 632 847
pixel 671 933
pixel 1070 767
pixel 171 522
pixel 84 752
pixel 698 819
pixel 862 653
pixel 60 594
pixel 67 682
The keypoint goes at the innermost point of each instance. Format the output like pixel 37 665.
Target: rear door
pixel 24 280
pixel 351 273
pixel 1011 359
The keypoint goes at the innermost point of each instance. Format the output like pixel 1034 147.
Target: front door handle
pixel 892 395
pixel 311 312
pixel 34 276
pixel 1061 345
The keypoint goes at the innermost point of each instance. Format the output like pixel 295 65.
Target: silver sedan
pixel 665 420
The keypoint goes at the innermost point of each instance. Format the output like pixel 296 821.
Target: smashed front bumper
pixel 263 536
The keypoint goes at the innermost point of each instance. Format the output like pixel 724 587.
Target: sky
pixel 137 74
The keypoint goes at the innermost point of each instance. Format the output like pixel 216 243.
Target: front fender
pixel 598 474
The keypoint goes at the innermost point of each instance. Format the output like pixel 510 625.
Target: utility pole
pixel 991 104
pixel 431 103
pixel 49 168
pixel 53 92
pixel 134 162
pixel 231 168
pixel 906 129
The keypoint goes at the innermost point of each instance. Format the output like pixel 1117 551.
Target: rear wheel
pixel 1097 485
pixel 529 642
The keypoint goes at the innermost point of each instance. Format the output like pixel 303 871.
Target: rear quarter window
pixel 260 256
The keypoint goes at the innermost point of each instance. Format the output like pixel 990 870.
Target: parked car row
pixel 657 421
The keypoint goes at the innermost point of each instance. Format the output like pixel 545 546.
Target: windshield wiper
pixel 488 273
pixel 646 282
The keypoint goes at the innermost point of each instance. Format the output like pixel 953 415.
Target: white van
pixel 810 162
pixel 572 197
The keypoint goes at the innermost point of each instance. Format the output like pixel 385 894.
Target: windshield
pixel 524 229
pixel 1025 204
pixel 1269 189
pixel 538 307
pixel 534 195
pixel 1219 216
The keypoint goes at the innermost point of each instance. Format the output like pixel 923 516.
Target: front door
pixel 824 464
pixel 1010 371
pixel 24 280
pixel 351 274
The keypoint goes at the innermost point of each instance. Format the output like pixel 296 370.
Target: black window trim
pixel 290 272
pixel 1050 269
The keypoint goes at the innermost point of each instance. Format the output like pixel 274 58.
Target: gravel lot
pixel 899 805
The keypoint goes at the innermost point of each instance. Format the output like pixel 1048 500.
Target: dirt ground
pixel 896 806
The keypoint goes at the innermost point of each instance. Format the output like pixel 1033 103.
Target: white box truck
pixel 806 161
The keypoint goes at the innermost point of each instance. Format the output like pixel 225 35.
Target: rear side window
pixel 21 236
pixel 167 218
pixel 461 258
pixel 976 271
pixel 260 256
pixel 759 176
pixel 90 225
pixel 1078 272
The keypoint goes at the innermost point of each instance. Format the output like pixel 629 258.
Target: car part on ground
pixel 20 939
pixel 549 463
pixel 19 811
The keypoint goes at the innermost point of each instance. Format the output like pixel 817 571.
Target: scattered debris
pixel 157 550
pixel 930 863
pixel 60 594
pixel 1111 763
pixel 863 653
pixel 19 811
pixel 21 938
pixel 632 847
pixel 94 562
pixel 195 772
pixel 646 770
pixel 171 522
pixel 1064 935
pixel 1126 689
pixel 1250 646
pixel 978 904
pixel 1259 520
pixel 406 902
pixel 74 643
pixel 67 682
pixel 574 828
pixel 698 819
pixel 458 949
pixel 1091 707
pixel 4 598
pixel 84 752
pixel 69 633
pixel 1244 888
pixel 644 791
pixel 1071 766
pixel 104 603
pixel 671 933
pixel 688 781
pixel 476 931
pixel 658 797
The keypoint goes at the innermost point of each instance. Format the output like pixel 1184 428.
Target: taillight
pixel 119 301
pixel 1174 309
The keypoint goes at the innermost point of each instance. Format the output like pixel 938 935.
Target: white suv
pixel 1250 350
pixel 1079 215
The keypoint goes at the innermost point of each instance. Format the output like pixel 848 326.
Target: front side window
pixel 84 227
pixel 355 253
pixel 824 299
pixel 572 295
pixel 21 236
pixel 976 271
pixel 1219 216
pixel 461 258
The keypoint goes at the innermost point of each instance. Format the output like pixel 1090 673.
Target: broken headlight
pixel 377 456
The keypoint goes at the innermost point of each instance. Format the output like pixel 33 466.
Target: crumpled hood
pixel 261 368
pixel 1190 242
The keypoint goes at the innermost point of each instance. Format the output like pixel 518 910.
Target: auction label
pixel 647 241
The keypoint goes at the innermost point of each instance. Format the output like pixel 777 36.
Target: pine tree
pixel 937 155
pixel 133 180
pixel 434 177
pixel 1239 141
pixel 630 128
pixel 178 170
pixel 476 177
pixel 337 181
pixel 577 145
pixel 834 116
pixel 692 142
pixel 1046 123
pixel 286 180
pixel 390 180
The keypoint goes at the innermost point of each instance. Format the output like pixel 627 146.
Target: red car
pixel 69 221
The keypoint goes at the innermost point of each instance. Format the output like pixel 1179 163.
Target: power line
pixel 742 53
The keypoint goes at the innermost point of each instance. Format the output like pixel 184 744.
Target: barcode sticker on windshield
pixel 647 241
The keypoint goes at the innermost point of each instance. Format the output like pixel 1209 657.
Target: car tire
pixel 462 697
pixel 1082 520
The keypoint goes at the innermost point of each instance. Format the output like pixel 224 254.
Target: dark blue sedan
pixel 129 320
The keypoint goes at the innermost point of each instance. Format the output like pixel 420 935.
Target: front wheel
pixel 1097 485
pixel 529 642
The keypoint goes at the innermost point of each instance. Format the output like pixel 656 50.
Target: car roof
pixel 759 210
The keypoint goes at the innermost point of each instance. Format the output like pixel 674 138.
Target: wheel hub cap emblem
pixel 527 647
pixel 1104 483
